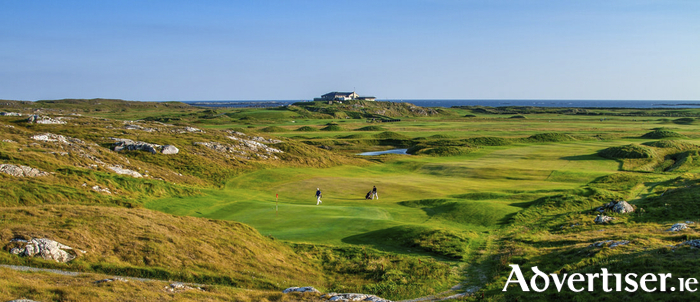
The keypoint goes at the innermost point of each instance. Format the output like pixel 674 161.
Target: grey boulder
pixel 170 149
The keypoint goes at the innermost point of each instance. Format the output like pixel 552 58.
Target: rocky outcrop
pixel 192 130
pixel 353 297
pixel 609 243
pixel 678 227
pixel 336 296
pixel 127 144
pixel 36 119
pixel 622 207
pixel 619 206
pixel 224 148
pixel 603 219
pixel 170 149
pixel 306 289
pixel 99 189
pixel 10 114
pixel 111 280
pixel 256 146
pixel 44 248
pixel 244 148
pixel 122 171
pixel 131 145
pixel 694 243
pixel 50 137
pixel 138 127
pixel 21 171
pixel 179 287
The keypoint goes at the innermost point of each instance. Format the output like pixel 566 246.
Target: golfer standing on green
pixel 318 196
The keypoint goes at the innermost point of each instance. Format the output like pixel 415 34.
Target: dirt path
pixel 474 272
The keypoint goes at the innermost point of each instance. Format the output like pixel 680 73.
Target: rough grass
pixel 391 135
pixel 333 128
pixel 550 137
pixel 628 151
pixel 684 120
pixel 149 244
pixel 658 134
pixel 273 129
pixel 444 151
pixel 371 128
pixel 671 144
pixel 306 129
pixel 488 141
pixel 54 287
pixel 387 275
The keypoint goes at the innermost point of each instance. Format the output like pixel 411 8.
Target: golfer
pixel 318 196
pixel 374 192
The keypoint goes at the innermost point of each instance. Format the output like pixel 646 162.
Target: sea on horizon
pixel 489 103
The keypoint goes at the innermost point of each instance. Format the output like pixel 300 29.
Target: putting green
pixel 250 198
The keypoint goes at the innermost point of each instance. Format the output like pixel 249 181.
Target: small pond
pixel 392 151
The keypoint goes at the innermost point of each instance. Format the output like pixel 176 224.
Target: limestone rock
pixel 693 243
pixel 306 289
pixel 45 248
pixel 36 119
pixel 256 146
pixel 22 300
pixel 170 149
pixel 603 219
pixel 21 171
pixel 192 129
pixel 10 114
pixel 50 137
pixel 138 127
pixel 178 287
pixel 678 227
pixel 622 207
pixel 99 189
pixel 224 148
pixel 111 280
pixel 125 143
pixel 353 297
pixel 122 171
pixel 609 243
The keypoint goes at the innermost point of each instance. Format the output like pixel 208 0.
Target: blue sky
pixel 295 49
